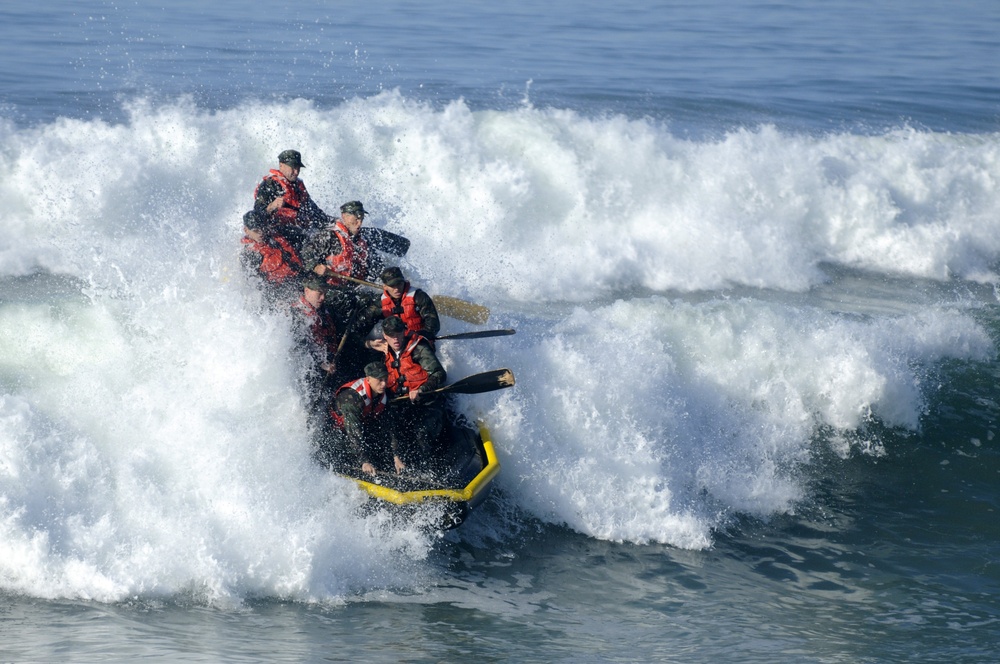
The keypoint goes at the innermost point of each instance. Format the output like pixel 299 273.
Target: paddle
pixel 481 334
pixel 475 384
pixel 460 309
pixel 386 241
pixel 347 327
pixel 445 305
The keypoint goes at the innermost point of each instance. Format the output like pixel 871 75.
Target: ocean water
pixel 751 251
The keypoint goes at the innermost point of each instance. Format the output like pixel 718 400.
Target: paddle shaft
pixel 481 334
pixel 448 306
pixel 343 337
pixel 353 280
pixel 487 381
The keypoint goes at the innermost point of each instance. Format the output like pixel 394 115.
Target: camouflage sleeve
pixel 321 245
pixel 258 219
pixel 313 215
pixel 424 355
pixel 349 405
pixel 266 192
pixel 428 312
pixel 368 317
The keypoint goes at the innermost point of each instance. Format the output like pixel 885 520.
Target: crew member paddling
pixel 315 349
pixel 360 438
pixel 414 372
pixel 341 248
pixel 282 218
pixel 317 331
pixel 399 298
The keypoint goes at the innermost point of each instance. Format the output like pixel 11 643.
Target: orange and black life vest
pixel 406 309
pixel 294 194
pixel 279 260
pixel 405 373
pixel 321 328
pixel 352 259
pixel 372 408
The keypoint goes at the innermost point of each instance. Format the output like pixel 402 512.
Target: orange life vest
pixel 294 194
pixel 406 309
pixel 371 409
pixel 352 259
pixel 405 373
pixel 321 328
pixel 279 261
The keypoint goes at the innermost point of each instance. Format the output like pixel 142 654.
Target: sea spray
pixel 608 203
pixel 672 370
pixel 657 420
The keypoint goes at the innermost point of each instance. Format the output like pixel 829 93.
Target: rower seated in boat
pixel 359 435
pixel 414 373
pixel 399 298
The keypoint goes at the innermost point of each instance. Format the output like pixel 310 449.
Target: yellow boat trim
pixel 454 495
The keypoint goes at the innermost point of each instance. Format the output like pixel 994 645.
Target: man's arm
pixel 258 221
pixel 428 312
pixel 266 193
pixel 349 404
pixel 313 215
pixel 368 317
pixel 424 355
pixel 321 245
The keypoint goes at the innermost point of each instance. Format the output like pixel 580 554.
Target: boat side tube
pixel 478 484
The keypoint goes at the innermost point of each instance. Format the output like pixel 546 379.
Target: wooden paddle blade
pixel 461 310
pixel 383 240
pixel 479 334
pixel 482 382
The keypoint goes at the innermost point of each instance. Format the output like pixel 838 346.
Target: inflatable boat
pixel 467 463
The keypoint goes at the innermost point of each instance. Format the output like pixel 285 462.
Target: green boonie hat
pixel 314 283
pixel 393 325
pixel 377 370
pixel 393 276
pixel 292 158
pixel 353 207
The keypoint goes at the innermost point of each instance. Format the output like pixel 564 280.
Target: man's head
pixel 353 207
pixel 292 158
pixel 314 290
pixel 394 332
pixel 377 375
pixel 394 282
pixel 352 213
pixel 289 163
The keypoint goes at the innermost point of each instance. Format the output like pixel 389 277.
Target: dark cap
pixel 292 158
pixel 393 325
pixel 393 276
pixel 315 283
pixel 377 370
pixel 353 207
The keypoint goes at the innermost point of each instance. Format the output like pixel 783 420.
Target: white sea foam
pixel 653 420
pixel 151 438
pixel 162 450
pixel 521 204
